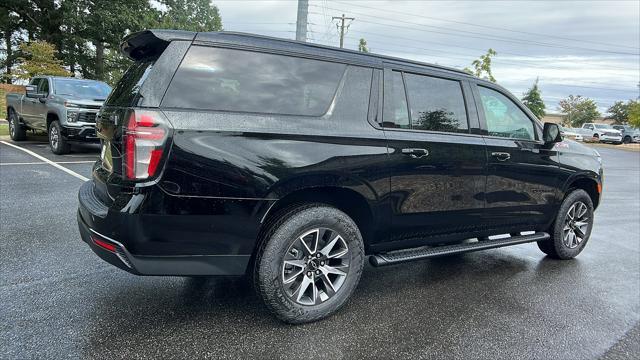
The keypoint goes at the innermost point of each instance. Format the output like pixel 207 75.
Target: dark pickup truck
pixel 65 108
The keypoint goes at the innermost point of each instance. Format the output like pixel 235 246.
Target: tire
pixel 57 143
pixel 626 140
pixel 17 132
pixel 596 137
pixel 566 242
pixel 309 238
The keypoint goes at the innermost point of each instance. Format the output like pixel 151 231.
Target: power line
pixel 471 34
pixel 487 26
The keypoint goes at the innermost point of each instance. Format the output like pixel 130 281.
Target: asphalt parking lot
pixel 60 300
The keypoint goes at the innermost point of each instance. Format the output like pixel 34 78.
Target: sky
pixel 588 48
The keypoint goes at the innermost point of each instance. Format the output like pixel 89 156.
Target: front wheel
pixel 572 227
pixel 57 143
pixel 626 140
pixel 310 263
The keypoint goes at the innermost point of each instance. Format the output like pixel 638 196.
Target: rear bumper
pixel 100 225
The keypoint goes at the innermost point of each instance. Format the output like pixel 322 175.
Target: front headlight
pixel 72 116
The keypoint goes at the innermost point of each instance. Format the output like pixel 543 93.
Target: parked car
pixel 231 154
pixel 569 133
pixel 64 107
pixel 629 133
pixel 604 133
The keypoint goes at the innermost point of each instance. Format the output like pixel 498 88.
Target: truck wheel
pixel 596 137
pixel 16 131
pixel 626 140
pixel 571 228
pixel 309 263
pixel 58 144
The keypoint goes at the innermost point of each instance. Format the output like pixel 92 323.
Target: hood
pixel 71 101
pixel 574 147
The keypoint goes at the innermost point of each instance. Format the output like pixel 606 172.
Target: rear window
pixel 245 81
pixel 128 88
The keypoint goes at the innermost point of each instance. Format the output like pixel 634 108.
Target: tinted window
pixel 396 114
pixel 43 86
pixel 436 104
pixel 504 118
pixel 237 80
pixel 86 89
pixel 127 89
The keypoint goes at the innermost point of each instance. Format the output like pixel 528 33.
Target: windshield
pixel 86 89
pixel 603 126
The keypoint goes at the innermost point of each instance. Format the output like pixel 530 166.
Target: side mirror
pixel 551 133
pixel 31 91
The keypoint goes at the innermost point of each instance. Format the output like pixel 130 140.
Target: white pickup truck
pixel 603 133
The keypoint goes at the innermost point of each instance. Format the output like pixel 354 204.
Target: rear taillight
pixel 145 136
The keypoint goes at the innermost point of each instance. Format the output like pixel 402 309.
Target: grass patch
pixel 4 129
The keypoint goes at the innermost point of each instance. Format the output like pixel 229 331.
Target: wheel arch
pixel 347 200
pixel 51 117
pixel 590 185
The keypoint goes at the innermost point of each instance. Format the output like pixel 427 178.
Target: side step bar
pixel 400 256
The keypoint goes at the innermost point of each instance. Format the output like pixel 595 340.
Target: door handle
pixel 501 156
pixel 416 153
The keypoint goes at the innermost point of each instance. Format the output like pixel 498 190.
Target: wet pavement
pixel 60 300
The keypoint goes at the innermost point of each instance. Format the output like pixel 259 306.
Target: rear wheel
pixel 57 143
pixel 16 131
pixel 596 137
pixel 310 263
pixel 572 227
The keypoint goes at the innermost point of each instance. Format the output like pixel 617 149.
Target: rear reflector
pixel 145 136
pixel 103 244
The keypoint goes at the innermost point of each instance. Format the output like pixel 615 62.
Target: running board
pixel 400 256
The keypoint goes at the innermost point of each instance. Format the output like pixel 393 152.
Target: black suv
pixel 232 154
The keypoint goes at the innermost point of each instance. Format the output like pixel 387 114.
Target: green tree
pixel 362 46
pixel 533 100
pixel 192 15
pixel 578 110
pixel 634 114
pixel 9 25
pixel 39 59
pixel 482 66
pixel 619 112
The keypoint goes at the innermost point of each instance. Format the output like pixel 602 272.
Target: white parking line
pixel 41 163
pixel 70 172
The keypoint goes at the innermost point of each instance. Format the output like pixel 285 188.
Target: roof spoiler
pixel 148 44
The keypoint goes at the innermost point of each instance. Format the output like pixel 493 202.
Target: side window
pixel 245 81
pixel 436 104
pixel 504 118
pixel 35 82
pixel 396 114
pixel 43 87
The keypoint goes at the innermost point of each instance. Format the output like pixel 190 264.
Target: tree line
pixel 576 109
pixel 82 37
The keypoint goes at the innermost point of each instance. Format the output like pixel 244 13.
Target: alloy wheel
pixel 12 126
pixel 54 137
pixel 576 225
pixel 315 266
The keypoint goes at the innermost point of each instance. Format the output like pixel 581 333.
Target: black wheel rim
pixel 576 225
pixel 315 267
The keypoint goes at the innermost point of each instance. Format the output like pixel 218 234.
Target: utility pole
pixel 301 21
pixel 342 27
